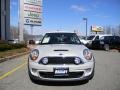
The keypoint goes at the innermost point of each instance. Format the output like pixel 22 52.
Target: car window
pixel 97 38
pixel 102 38
pixel 60 38
pixel 108 37
pixel 90 37
pixel 116 38
pixel 46 40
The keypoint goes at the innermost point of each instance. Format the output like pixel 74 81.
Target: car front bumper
pixel 76 72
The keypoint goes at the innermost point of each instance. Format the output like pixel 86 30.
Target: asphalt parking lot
pixel 14 76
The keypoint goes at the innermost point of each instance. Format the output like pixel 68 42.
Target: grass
pixel 12 52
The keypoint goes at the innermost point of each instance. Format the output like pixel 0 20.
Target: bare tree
pixel 14 32
pixel 26 34
pixel 108 30
pixel 114 30
pixel 119 30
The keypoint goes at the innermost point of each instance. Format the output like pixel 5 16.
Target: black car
pixel 107 43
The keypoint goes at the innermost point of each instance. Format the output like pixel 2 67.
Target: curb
pixel 12 57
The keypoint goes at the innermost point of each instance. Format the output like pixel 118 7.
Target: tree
pixel 114 30
pixel 119 30
pixel 14 32
pixel 108 30
pixel 26 35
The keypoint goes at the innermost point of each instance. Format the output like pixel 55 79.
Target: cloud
pixel 80 8
pixel 101 16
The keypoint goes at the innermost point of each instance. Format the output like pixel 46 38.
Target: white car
pixel 91 38
pixel 61 57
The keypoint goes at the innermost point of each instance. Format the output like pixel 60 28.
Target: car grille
pixel 70 75
pixel 60 60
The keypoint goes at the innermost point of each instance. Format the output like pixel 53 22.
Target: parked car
pixel 37 42
pixel 92 38
pixel 61 57
pixel 31 42
pixel 107 43
pixel 13 41
pixel 82 39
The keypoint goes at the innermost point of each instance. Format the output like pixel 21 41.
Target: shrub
pixel 5 47
pixel 16 46
pixel 3 42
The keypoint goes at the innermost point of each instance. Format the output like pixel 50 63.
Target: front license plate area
pixel 61 71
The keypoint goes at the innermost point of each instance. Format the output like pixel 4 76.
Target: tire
pixel 106 47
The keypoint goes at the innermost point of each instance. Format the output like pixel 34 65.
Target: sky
pixel 67 15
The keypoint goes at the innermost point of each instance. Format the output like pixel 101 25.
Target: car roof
pixel 101 35
pixel 111 36
pixel 60 32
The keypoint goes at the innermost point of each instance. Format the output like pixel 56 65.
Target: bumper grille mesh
pixel 60 60
pixel 71 75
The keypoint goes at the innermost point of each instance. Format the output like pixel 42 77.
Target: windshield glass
pixel 90 37
pixel 102 38
pixel 60 38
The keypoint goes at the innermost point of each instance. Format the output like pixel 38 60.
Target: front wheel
pixel 106 47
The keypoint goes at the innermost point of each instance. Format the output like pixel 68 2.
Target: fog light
pixel 77 61
pixel 34 70
pixel 88 70
pixel 45 61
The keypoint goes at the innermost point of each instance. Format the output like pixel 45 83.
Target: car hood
pixel 60 50
pixel 85 41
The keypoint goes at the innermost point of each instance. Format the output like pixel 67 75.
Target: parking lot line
pixel 12 71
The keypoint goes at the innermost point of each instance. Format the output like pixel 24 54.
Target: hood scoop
pixel 61 50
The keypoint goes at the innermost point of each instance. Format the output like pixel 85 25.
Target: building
pixel 5 20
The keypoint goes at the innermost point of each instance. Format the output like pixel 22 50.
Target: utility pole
pixel 21 19
pixel 85 19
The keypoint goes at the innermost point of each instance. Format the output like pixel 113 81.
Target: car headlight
pixel 44 61
pixel 87 54
pixel 77 60
pixel 34 54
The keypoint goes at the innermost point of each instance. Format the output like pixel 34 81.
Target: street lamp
pixel 85 19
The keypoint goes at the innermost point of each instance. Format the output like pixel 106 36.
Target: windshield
pixel 90 37
pixel 60 38
pixel 102 38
